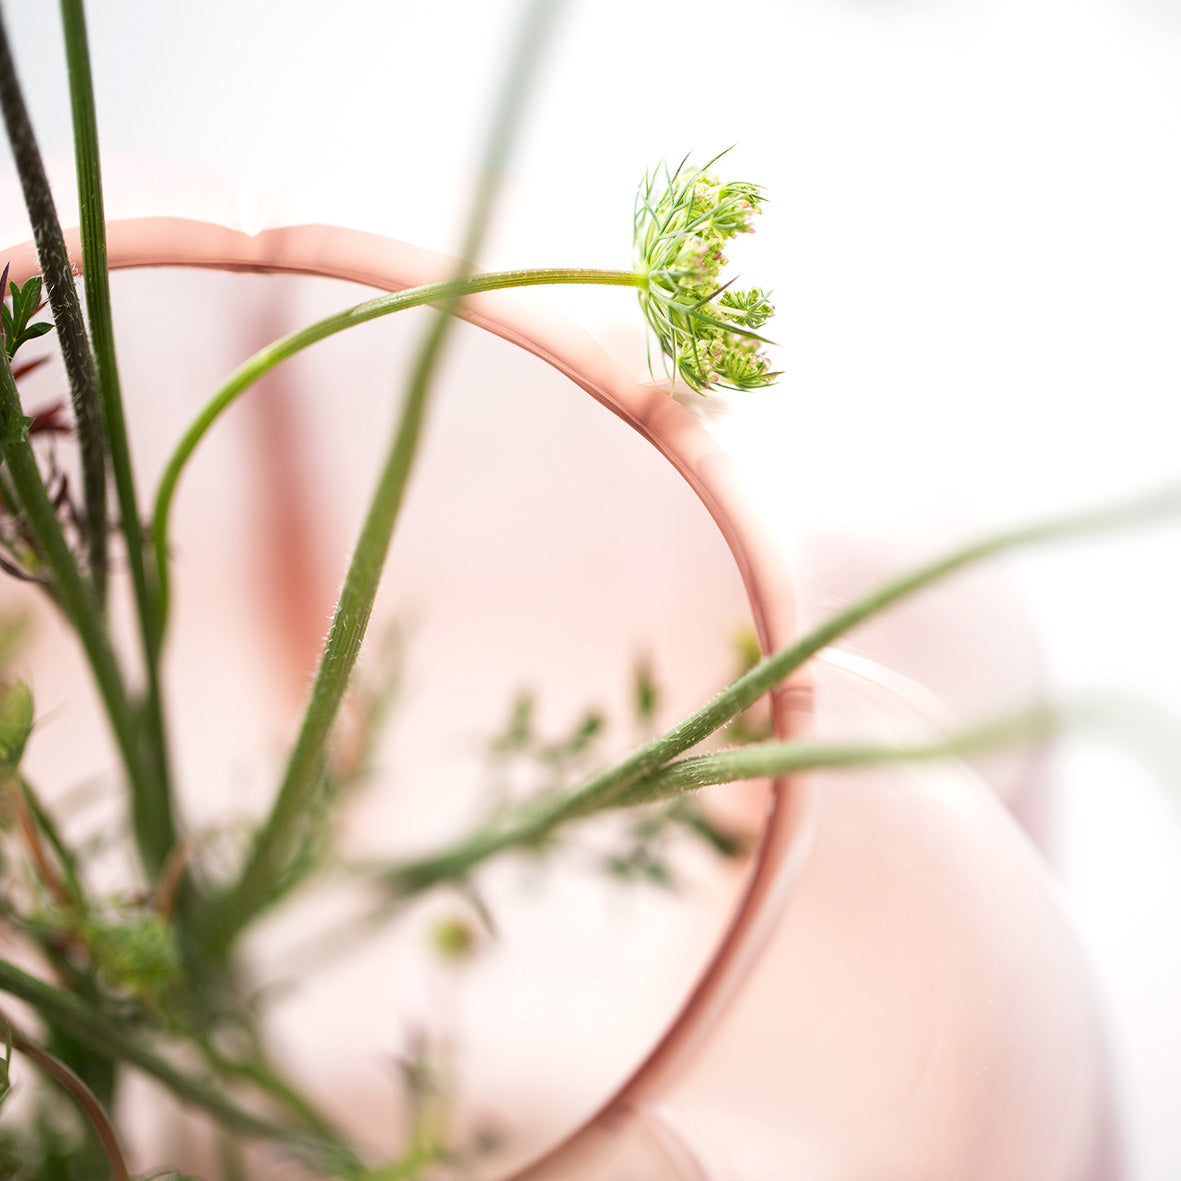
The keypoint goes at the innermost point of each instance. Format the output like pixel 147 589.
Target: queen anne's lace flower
pixel 707 331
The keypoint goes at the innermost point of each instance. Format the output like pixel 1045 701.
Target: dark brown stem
pixel 67 312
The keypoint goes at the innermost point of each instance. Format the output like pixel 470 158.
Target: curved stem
pixel 107 1037
pixel 259 882
pixel 270 1083
pixel 66 859
pixel 274 354
pixel 81 1094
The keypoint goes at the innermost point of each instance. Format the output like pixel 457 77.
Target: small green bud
pixel 750 309
pixel 454 939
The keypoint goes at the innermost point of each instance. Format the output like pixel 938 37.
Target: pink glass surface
pixel 896 993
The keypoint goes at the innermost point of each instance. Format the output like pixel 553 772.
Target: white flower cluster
pixel 707 331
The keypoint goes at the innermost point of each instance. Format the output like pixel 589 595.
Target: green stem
pixel 82 1095
pixel 612 786
pixel 107 1037
pixel 65 856
pixel 269 1082
pixel 67 313
pixel 771 760
pixel 98 307
pixel 260 880
pixel 274 354
pixel 76 598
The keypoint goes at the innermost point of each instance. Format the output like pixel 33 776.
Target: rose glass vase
pixel 886 988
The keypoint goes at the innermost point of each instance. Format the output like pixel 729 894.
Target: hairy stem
pixel 630 780
pixel 771 760
pixel 265 867
pixel 67 314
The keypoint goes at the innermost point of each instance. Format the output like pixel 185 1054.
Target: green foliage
pixel 14 632
pixel 518 734
pixel 51 1146
pixel 645 850
pixel 124 975
pixel 646 693
pixel 26 301
pixel 454 939
pixel 14 426
pixel 5 1079
pixel 135 954
pixel 51 1142
pixel 16 724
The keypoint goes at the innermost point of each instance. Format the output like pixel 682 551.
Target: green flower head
pixel 707 331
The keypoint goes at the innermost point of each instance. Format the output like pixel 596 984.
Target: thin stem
pixel 258 884
pixel 98 307
pixel 45 868
pixel 76 597
pixel 67 313
pixel 81 1094
pixel 771 671
pixel 65 856
pixel 771 760
pixel 107 1037
pixel 274 354
pixel 275 1087
pixel 612 786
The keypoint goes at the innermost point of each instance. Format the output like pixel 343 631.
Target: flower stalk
pixel 266 359
pixel 98 306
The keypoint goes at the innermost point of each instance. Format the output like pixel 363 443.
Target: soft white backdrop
pixel 973 241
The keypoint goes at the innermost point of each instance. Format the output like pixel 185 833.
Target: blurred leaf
pixel 16 723
pixel 746 647
pixel 14 632
pixel 5 1081
pixel 135 953
pixel 14 430
pixel 588 727
pixel 722 841
pixel 647 695
pixel 454 939
pixel 519 732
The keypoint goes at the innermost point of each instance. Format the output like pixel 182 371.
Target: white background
pixel 975 248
